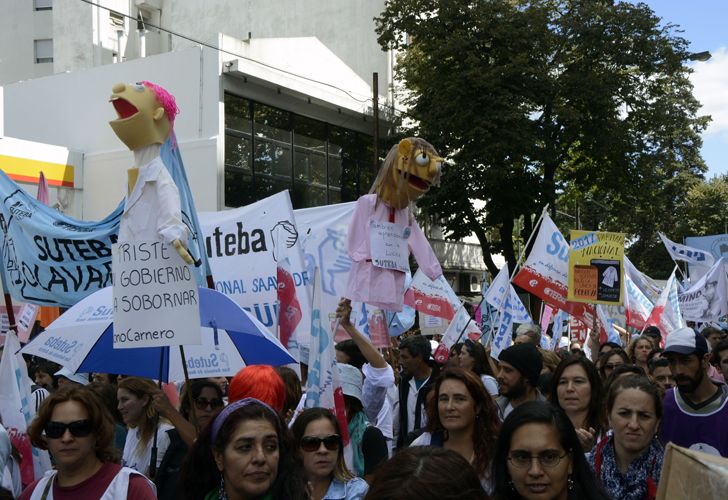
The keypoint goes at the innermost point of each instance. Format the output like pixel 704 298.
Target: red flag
pixel 290 308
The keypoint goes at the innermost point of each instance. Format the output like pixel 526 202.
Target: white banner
pixel 706 300
pixel 156 302
pixel 240 246
pixel 502 288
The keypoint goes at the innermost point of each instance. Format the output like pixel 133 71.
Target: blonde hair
pixel 390 161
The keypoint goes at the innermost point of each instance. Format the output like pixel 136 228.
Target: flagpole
pixel 528 241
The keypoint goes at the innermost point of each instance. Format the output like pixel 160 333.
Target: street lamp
pixel 699 56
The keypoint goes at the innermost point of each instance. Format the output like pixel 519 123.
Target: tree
pixel 545 100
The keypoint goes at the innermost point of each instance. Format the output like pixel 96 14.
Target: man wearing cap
pixel 520 367
pixel 695 412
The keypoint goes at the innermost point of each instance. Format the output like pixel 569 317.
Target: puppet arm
pixel 420 247
pixel 358 234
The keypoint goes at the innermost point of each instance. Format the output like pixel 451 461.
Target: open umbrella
pixel 82 340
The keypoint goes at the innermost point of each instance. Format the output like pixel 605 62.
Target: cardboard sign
pixel 388 243
pixel 596 272
pixel 156 302
pixel 692 475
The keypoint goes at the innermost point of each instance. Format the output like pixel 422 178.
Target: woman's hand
pixel 587 438
pixel 343 312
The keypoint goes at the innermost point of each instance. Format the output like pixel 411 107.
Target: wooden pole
pixel 375 112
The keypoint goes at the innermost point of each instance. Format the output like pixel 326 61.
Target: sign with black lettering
pixel 156 302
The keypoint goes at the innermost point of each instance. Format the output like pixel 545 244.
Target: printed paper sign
pixel 432 325
pixel 596 272
pixel 388 242
pixel 156 302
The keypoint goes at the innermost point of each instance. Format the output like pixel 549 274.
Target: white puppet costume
pixel 409 170
pixel 152 211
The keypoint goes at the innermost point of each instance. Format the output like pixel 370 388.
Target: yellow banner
pixel 25 170
pixel 596 268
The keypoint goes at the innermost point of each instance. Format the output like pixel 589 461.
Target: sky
pixel 705 25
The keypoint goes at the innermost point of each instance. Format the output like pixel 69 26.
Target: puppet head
pixel 145 112
pixel 409 169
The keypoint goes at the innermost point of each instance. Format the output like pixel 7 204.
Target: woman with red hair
pixel 260 382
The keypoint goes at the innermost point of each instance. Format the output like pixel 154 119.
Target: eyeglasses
pixel 202 403
pixel 548 458
pixel 79 428
pixel 312 443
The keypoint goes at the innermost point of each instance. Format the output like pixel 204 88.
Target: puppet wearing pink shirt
pixel 409 169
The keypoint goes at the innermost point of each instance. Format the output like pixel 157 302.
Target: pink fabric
pixel 716 374
pixel 43 196
pixel 375 286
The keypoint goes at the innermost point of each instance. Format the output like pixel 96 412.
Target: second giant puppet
pixel 383 216
pixel 145 121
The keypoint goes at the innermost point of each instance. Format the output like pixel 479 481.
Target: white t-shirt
pixel 491 386
pixel 138 458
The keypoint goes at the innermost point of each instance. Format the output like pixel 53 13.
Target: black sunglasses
pixel 79 428
pixel 202 403
pixel 311 443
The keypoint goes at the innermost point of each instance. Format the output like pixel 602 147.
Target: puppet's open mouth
pixel 123 108
pixel 418 182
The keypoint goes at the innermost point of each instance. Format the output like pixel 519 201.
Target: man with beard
pixel 417 380
pixel 520 367
pixel 695 412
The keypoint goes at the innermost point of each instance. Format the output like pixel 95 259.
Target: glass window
pixel 43 4
pixel 237 152
pixel 44 51
pixel 237 113
pixel 272 158
pixel 238 188
pixel 272 123
pixel 307 195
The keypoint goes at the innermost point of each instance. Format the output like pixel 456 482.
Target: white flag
pixel 16 411
pixel 501 289
pixel 707 300
pixel 692 255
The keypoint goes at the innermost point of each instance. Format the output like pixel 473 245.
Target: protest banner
pixel 52 259
pixel 595 267
pixel 637 305
pixel 545 272
pixel 706 300
pixel 578 331
pixel 435 298
pixel 558 329
pixel 156 301
pixel 242 246
pixel 26 320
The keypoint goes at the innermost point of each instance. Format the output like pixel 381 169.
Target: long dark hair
pixel 603 358
pixel 595 413
pixel 200 474
pixel 486 419
pixel 585 486
pixel 480 358
pixel 426 473
pixel 196 387
pixel 341 472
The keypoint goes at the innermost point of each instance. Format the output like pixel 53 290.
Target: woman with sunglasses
pixel 73 425
pixel 538 456
pixel 610 360
pixel 318 438
pixel 208 402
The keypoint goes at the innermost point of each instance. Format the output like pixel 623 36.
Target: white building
pixel 285 103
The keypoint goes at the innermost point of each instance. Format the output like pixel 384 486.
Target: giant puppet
pixel 408 171
pixel 146 114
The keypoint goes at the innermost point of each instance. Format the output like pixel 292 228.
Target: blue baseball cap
pixel 685 341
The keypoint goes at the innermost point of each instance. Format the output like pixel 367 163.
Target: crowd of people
pixel 568 424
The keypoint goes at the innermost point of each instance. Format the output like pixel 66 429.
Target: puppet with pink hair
pixel 152 211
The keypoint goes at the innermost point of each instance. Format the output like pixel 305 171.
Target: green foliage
pixel 548 101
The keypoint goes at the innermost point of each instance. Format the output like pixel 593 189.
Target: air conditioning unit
pixel 475 287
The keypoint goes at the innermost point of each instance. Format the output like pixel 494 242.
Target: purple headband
pixel 225 413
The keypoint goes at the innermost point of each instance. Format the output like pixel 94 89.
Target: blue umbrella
pixel 82 340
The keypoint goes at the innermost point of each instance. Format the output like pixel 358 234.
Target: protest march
pixel 219 283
